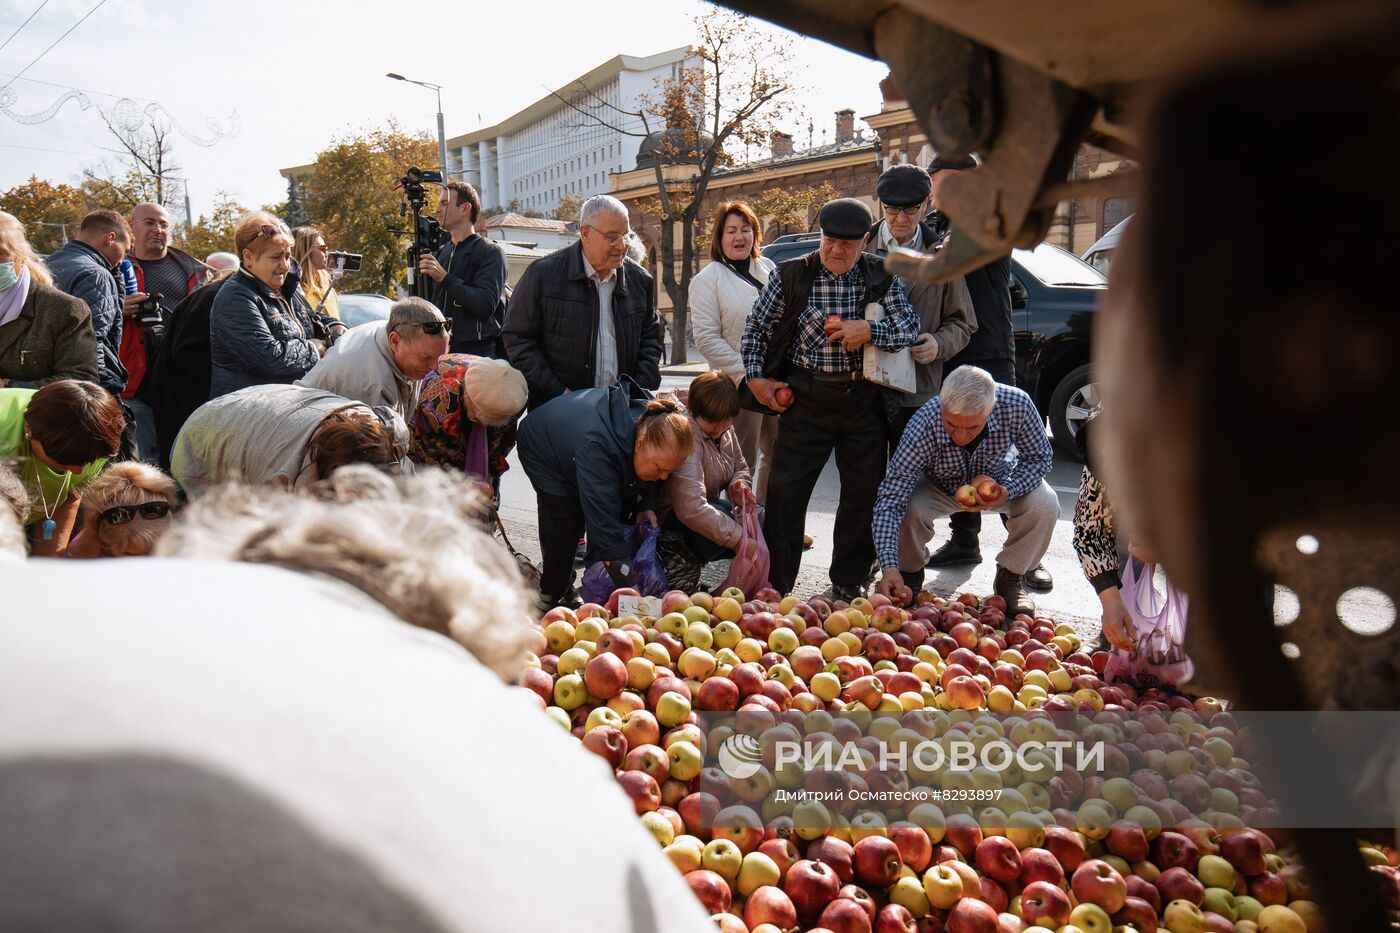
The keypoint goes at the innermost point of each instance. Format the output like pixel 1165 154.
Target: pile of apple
pixel 1157 841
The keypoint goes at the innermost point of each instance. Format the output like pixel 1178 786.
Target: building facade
pixel 532 159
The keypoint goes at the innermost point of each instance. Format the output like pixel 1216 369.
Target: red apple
pixel 915 848
pixel 1144 890
pixel 784 397
pixel 1066 845
pixel 974 916
pixel 1178 884
pixel 1138 914
pixel 1098 882
pixel 642 788
pixel 963 833
pixel 811 885
pixel 782 851
pixel 877 861
pixel 608 743
pixel 1041 865
pixel 649 759
pixel 717 695
pixel 1245 850
pixel 1268 888
pixel 893 918
pixel 844 916
pixel 998 858
pixel 854 892
pixel 836 854
pixel 769 904
pixel 698 810
pixel 1127 841
pixel 1044 904
pixel 711 888
pixel 1175 850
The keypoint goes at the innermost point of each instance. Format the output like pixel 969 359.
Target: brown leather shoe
pixel 1010 587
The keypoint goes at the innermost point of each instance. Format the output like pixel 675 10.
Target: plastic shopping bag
pixel 650 579
pixel 1158 659
pixel 749 573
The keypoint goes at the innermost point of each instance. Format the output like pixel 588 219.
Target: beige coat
pixel 707 472
pixel 720 302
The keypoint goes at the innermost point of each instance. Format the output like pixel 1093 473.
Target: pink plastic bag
pixel 1159 657
pixel 749 574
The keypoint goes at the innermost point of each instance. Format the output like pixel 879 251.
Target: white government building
pixel 533 158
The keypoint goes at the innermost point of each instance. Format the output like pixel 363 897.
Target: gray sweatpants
pixel 1030 523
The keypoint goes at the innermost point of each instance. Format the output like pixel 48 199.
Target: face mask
pixel 8 276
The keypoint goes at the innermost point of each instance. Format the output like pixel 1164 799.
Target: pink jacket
pixel 707 472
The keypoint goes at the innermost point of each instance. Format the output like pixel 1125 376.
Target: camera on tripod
pixel 428 235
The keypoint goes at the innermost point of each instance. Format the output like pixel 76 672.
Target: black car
pixel 1053 296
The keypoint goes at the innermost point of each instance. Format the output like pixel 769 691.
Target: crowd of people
pixel 135 378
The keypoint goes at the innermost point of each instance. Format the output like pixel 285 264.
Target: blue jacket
pixel 82 272
pixel 579 446
pixel 257 335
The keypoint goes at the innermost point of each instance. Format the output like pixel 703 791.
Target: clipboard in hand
pixel 892 370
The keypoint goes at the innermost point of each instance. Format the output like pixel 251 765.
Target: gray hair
pixel 412 543
pixel 599 205
pixel 412 311
pixel 221 261
pixel 968 391
pixel 636 248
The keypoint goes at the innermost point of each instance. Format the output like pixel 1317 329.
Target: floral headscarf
pixel 440 426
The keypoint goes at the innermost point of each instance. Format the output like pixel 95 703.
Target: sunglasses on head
pixel 121 514
pixel 432 328
pixel 269 231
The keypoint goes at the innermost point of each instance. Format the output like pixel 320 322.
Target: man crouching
pixel 980 434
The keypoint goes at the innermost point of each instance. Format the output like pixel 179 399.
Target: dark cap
pixel 962 165
pixel 845 219
pixel 903 186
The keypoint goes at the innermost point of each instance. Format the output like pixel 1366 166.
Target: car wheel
pixel 1074 401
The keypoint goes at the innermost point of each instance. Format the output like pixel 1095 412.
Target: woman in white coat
pixel 721 296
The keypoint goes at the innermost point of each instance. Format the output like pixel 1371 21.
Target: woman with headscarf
pixel 466 415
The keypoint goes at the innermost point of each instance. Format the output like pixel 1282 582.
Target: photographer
pixel 469 275
pixel 309 251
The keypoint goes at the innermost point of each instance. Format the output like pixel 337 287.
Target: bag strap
pixel 505 538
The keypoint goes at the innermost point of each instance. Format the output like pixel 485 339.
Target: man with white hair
pixel 586 316
pixel 382 363
pixel 975 434
pixel 219 262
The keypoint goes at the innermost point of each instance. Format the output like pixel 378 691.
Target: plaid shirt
pixel 831 294
pixel 1014 451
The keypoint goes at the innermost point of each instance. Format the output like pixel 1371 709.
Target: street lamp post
pixel 442 138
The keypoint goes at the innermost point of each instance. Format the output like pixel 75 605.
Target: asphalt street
pixel 1072 598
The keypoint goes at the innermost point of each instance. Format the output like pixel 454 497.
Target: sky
pixel 286 78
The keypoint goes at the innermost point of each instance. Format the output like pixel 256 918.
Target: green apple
pixel 603 716
pixel 1183 916
pixel 590 629
pixel 1221 901
pixel 727 635
pixel 1091 918
pixel 570 693
pixel 575 659
pixel 811 819
pixel 1215 872
pixel 660 827
pixel 686 760
pixel 756 871
pixel 826 685
pixel 673 623
pixel 559 635
pixel 697 614
pixel 1247 908
pixel 699 635
pixel 1180 762
pixel 1147 818
pixel 1120 792
pixel 908 892
pixel 783 675
pixel 671 708
pixel 723 857
pixel 783 640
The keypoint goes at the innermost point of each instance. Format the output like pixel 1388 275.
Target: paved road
pixel 1072 598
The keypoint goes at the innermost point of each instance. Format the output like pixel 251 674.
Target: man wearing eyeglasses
pixel 382 364
pixel 585 316
pixel 946 319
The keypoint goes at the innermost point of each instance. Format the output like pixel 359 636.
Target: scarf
pixel 12 298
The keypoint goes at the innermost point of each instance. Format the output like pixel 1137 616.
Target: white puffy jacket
pixel 720 302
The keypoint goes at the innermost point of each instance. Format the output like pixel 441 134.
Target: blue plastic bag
pixel 650 578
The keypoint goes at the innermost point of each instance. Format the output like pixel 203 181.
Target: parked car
pixel 361 309
pixel 1053 297
pixel 1100 255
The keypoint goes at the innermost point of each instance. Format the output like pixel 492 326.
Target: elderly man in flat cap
pixel 946 320
pixel 992 347
pixel 803 350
